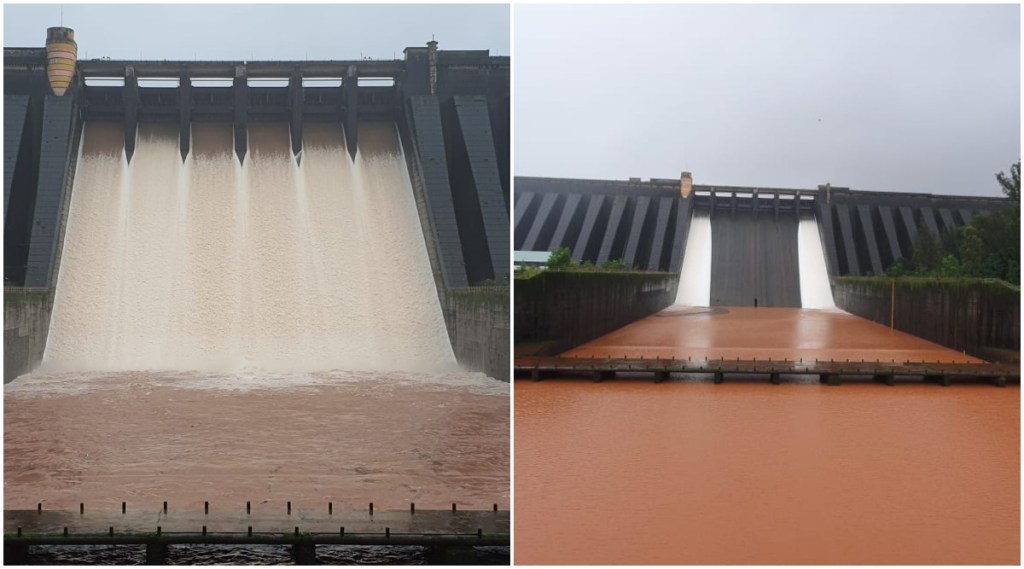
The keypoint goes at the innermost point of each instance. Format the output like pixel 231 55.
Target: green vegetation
pixel 561 260
pixel 27 295
pixel 485 296
pixel 1011 185
pixel 527 273
pixel 987 248
pixel 489 283
pixel 926 282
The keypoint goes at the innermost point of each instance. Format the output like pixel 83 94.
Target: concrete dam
pixel 646 224
pixel 209 201
pixel 730 273
pixel 266 301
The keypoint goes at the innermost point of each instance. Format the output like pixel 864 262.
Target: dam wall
pixel 456 134
pixel 557 310
pixel 645 222
pixel 452 110
pixel 866 232
pixel 41 133
pixel 26 325
pixel 967 315
pixel 481 328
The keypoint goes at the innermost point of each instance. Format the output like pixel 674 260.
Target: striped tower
pixel 61 54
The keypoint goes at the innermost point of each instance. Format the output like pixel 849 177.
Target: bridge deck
pixel 35 524
pixel 447 532
pixel 829 371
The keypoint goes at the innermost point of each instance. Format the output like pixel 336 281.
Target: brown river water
pixel 346 437
pixel 688 472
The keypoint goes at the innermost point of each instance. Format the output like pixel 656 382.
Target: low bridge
pixel 449 535
pixel 830 372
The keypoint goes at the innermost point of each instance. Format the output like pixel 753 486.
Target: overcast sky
pixel 891 98
pixel 264 31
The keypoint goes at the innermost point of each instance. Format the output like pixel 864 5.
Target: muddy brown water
pixel 346 437
pixel 747 333
pixel 688 472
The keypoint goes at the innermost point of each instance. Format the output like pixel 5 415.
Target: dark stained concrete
pixel 754 256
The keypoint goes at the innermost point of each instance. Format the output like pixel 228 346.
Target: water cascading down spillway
pixel 695 274
pixel 815 290
pixel 732 258
pixel 214 265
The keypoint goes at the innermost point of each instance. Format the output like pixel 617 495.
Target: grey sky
pixel 892 98
pixel 262 31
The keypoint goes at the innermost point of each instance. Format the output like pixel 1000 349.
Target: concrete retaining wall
pixel 26 325
pixel 972 315
pixel 557 310
pixel 477 317
pixel 479 328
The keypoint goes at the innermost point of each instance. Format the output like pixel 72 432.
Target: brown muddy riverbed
pixel 688 472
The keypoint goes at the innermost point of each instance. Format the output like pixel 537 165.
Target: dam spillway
pixel 754 261
pixel 695 274
pixel 773 262
pixel 815 290
pixel 215 265
pixel 814 243
pixel 449 110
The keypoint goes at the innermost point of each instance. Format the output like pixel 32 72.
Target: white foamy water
pixel 40 384
pixel 220 267
pixel 815 290
pixel 695 274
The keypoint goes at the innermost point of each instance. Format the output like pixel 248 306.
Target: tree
pixel 950 267
pixel 899 269
pixel 1000 235
pixel 1011 183
pixel 971 251
pixel 990 246
pixel 927 255
pixel 560 258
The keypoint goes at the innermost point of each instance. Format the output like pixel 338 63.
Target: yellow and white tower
pixel 61 55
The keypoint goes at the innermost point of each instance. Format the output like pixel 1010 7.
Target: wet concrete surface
pixel 747 333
